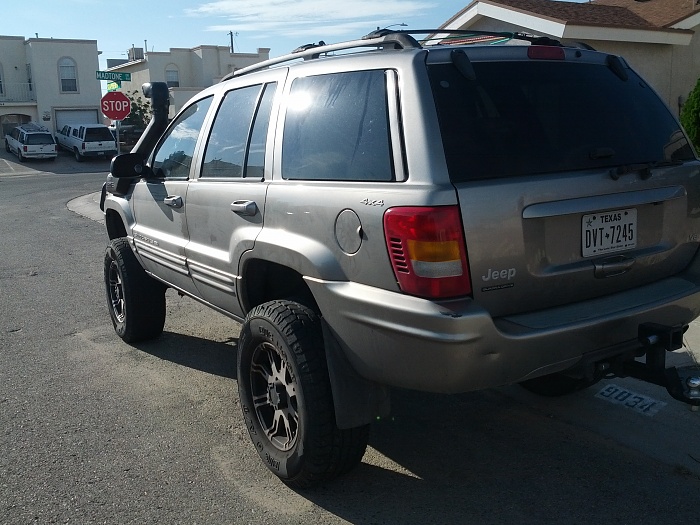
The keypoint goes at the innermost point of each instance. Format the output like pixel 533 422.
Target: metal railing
pixel 17 92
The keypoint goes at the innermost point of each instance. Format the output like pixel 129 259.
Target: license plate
pixel 608 232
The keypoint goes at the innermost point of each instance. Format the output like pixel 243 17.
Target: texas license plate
pixel 608 232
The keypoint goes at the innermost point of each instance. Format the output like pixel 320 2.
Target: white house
pixel 48 81
pixel 657 37
pixel 186 71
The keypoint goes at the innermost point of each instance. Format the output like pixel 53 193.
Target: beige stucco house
pixel 657 37
pixel 48 81
pixel 186 71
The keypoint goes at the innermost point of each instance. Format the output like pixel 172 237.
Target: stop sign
pixel 116 105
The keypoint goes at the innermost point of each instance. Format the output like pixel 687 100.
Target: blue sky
pixel 280 25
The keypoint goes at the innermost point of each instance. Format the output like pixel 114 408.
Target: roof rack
pixel 396 39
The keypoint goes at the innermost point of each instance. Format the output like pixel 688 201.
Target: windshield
pixel 526 117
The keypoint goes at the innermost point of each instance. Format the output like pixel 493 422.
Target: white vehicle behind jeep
pixel 87 140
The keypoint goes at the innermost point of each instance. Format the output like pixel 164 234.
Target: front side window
pixel 68 75
pixel 336 128
pixel 236 146
pixel 173 158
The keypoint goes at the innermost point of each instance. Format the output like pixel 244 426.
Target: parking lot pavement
pixel 64 163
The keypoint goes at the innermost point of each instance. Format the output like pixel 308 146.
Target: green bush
pixel 690 115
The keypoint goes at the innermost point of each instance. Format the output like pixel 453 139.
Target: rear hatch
pixel 99 140
pixel 574 179
pixel 39 144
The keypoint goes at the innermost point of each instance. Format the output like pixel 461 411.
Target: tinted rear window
pixel 522 118
pixel 98 134
pixel 39 138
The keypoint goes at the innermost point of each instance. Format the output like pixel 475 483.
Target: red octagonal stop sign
pixel 116 105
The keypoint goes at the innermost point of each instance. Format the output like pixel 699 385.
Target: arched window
pixel 172 76
pixel 68 75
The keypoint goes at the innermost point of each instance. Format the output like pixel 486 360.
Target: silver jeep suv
pixel 432 215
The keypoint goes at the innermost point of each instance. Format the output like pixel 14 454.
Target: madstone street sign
pixel 115 105
pixel 110 75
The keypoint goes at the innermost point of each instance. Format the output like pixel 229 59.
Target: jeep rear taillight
pixel 427 250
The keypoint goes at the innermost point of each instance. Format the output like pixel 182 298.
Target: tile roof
pixel 661 13
pixel 616 13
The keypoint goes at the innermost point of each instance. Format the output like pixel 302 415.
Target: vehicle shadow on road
pixel 484 458
pixel 212 357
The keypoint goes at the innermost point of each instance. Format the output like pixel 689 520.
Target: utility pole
pixel 230 33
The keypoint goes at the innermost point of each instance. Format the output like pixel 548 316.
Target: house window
pixel 172 77
pixel 68 75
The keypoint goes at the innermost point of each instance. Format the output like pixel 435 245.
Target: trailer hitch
pixel 682 383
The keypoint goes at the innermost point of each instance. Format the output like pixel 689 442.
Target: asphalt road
pixel 93 430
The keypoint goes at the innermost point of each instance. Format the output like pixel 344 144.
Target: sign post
pixel 116 106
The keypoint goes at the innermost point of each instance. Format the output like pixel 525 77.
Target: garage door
pixel 75 116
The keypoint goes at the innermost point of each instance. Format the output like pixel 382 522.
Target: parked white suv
pixel 31 141
pixel 87 140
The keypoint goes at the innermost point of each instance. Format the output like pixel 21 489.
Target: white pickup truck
pixel 87 140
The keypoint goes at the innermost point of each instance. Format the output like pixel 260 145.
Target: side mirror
pixel 129 165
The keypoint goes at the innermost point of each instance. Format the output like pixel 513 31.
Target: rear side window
pixel 98 134
pixel 336 128
pixel 39 138
pixel 236 145
pixel 523 118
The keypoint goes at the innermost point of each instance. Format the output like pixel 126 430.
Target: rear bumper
pixel 106 154
pixel 456 346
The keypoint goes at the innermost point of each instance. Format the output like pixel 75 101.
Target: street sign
pixel 116 105
pixel 113 86
pixel 111 75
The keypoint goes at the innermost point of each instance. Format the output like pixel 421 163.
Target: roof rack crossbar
pixel 389 39
pixel 313 51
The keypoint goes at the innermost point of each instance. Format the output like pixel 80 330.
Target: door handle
pixel 248 208
pixel 174 201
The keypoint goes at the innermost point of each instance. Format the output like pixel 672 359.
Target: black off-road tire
pixel 286 397
pixel 136 301
pixel 557 385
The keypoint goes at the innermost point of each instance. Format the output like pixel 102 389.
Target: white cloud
pixel 308 17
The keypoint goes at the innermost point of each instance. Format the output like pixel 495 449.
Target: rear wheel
pixel 286 397
pixel 20 157
pixel 78 156
pixel 136 301
pixel 556 385
pixel 7 146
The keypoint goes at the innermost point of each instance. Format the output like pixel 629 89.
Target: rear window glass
pixel 98 134
pixel 522 118
pixel 39 138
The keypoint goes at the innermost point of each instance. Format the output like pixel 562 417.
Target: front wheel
pixel 286 397
pixel 136 301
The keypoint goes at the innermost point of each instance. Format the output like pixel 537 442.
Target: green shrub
pixel 690 115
